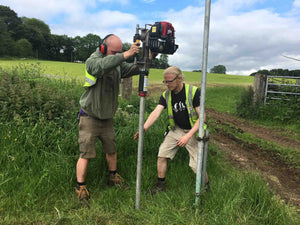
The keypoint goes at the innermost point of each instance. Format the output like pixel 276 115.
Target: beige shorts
pixel 90 130
pixel 169 147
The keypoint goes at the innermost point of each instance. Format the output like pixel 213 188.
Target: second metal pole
pixel 202 100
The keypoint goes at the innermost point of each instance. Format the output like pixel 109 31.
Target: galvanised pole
pixel 140 154
pixel 202 100
pixel 143 85
pixel 143 88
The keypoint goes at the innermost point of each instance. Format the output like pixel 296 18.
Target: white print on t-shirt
pixel 179 106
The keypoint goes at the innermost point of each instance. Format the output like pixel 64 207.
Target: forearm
pixel 195 128
pixel 153 117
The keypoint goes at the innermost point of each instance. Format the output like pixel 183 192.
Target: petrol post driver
pixel 160 38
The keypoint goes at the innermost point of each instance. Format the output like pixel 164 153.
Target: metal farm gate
pixel 278 87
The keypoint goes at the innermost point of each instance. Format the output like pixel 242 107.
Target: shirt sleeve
pixel 129 69
pixel 98 66
pixel 196 100
pixel 162 101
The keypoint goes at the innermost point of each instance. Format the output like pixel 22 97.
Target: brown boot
pixel 117 180
pixel 83 195
pixel 159 187
pixel 207 186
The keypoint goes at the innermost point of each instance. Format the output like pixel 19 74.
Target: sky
pixel 245 35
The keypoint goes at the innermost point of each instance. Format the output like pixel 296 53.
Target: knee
pixel 162 159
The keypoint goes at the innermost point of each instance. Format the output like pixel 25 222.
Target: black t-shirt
pixel 179 107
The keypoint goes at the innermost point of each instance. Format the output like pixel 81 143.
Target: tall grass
pixel 39 153
pixel 224 99
pixel 276 112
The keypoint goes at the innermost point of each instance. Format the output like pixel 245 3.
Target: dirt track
pixel 278 173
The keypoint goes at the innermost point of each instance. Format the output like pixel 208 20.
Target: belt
pixel 81 113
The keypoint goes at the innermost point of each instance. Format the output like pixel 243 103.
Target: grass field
pixel 39 151
pixel 76 71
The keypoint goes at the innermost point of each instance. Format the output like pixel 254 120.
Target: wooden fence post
pixel 126 87
pixel 259 87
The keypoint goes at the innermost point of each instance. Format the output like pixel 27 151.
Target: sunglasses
pixel 169 81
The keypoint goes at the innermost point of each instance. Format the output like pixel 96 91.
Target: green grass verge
pixel 38 179
pixel 37 176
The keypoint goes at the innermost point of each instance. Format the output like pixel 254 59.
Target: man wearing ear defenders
pixel 104 69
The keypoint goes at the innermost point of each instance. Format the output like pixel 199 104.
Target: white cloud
pixel 101 23
pixel 243 42
pixel 75 16
pixel 296 4
pixel 223 6
pixel 45 9
pixel 296 9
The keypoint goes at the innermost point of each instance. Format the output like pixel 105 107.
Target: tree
pixel 163 59
pixel 13 22
pixel 161 62
pixel 24 48
pixel 38 33
pixel 85 46
pixel 92 42
pixel 7 46
pixel 218 69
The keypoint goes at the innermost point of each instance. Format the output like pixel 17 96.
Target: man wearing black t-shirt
pixel 182 102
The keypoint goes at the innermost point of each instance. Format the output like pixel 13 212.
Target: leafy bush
pixel 245 107
pixel 286 110
pixel 133 104
pixel 25 93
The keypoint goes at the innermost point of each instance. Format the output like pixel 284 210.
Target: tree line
pixel 278 72
pixel 31 37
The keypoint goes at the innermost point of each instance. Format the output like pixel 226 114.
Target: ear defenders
pixel 103 46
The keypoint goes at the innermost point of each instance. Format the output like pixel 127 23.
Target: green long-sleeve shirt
pixel 101 100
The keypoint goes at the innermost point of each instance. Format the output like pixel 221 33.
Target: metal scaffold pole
pixel 143 88
pixel 142 94
pixel 159 39
pixel 202 102
pixel 140 154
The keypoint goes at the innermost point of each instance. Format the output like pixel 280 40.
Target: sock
pixel 79 184
pixel 113 172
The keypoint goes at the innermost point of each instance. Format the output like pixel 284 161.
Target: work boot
pixel 83 195
pixel 117 180
pixel 159 187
